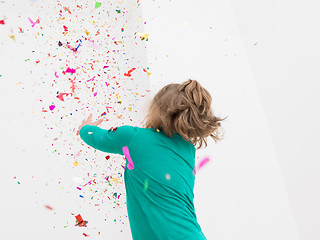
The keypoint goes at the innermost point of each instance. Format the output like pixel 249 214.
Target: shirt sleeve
pixel 111 140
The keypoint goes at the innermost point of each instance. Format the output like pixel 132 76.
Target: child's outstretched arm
pixel 111 141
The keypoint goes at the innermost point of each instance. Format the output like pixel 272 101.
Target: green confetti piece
pixel 18 182
pixel 118 11
pixel 98 4
pixel 146 185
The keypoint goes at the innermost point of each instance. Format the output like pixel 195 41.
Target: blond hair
pixel 184 109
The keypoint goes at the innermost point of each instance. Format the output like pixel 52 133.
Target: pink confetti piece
pixel 91 79
pixel 78 188
pixel 70 70
pixel 203 162
pixel 95 94
pixel 125 151
pixel 55 73
pixel 52 107
pixel 33 23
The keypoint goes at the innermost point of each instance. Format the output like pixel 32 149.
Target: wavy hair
pixel 184 109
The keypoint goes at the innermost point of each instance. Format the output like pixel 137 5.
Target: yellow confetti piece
pixel 75 163
pixel 143 36
pixel 87 33
pixel 116 180
pixel 12 37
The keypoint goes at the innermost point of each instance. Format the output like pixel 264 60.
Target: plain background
pixel 259 62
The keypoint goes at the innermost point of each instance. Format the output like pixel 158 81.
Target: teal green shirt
pixel 159 182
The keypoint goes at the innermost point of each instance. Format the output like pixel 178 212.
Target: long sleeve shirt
pixel 159 180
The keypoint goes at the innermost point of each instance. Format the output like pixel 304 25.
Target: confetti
pixel 125 150
pixel 146 185
pixel 67 9
pixel 86 235
pixel 51 107
pixel 143 36
pixel 33 23
pixel 203 162
pixel 80 221
pixel 12 37
pixel 48 207
pixel 2 22
pixel 70 70
pixel 60 95
pixel 129 73
pixel 98 4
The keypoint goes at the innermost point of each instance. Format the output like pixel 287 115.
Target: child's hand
pixel 88 122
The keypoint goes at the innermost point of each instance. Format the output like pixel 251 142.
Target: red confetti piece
pixel 80 221
pixel 48 207
pixel 86 235
pixel 108 157
pixel 129 72
pixel 73 86
pixel 67 9
pixel 2 22
pixel 60 95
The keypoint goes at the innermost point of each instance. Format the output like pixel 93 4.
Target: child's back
pixel 160 187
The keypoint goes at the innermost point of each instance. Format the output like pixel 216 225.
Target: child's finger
pixel 90 118
pixel 98 122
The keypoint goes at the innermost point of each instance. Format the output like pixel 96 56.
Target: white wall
pixel 241 193
pixel 284 64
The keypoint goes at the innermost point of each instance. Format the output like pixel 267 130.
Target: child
pixel 160 159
